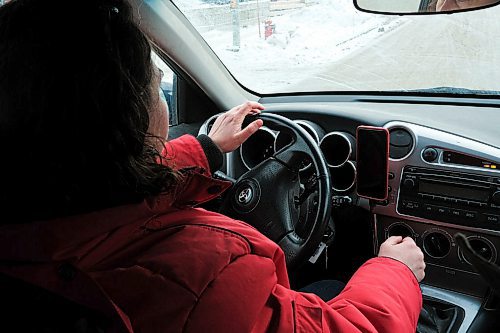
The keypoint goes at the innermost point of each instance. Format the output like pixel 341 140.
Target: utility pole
pixel 258 18
pixel 236 25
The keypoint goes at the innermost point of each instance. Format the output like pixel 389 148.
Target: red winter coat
pixel 162 266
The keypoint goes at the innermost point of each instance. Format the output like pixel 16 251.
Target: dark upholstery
pixel 28 308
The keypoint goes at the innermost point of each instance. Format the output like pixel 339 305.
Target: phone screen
pixel 372 162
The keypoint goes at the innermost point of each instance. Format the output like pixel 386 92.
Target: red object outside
pixel 269 28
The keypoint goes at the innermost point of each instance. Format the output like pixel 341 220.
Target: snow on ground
pixel 191 4
pixel 305 41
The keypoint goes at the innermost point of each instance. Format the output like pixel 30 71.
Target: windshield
pixel 327 45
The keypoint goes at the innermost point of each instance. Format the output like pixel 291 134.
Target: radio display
pixel 453 191
pixel 462 159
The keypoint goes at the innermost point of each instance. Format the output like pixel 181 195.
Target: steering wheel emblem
pixel 245 195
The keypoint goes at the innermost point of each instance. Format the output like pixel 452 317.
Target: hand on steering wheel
pixel 266 196
pixel 226 131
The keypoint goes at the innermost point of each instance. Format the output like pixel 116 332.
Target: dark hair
pixel 75 89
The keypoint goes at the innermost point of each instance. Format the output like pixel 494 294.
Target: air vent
pixel 401 143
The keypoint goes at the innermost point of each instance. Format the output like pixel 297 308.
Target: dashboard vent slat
pixel 400 144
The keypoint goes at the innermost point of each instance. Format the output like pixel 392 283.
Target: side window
pixel 168 87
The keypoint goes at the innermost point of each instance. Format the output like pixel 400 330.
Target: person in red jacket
pixel 98 209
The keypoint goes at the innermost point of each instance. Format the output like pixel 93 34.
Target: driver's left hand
pixel 226 132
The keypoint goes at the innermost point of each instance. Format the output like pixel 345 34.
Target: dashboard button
pixel 495 198
pixel 408 183
pixel 447 156
pixel 411 205
pixel 470 215
pixel 442 210
pixel 429 208
pixel 492 218
pixel 391 175
pixel 474 204
pixel 455 212
pixel 430 154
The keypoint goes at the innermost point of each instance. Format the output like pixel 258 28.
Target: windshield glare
pixel 327 45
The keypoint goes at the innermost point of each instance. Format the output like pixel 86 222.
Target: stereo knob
pixel 483 248
pixel 408 184
pixel 400 229
pixel 495 198
pixel 429 154
pixel 436 244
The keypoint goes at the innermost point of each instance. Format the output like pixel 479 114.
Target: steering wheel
pixel 268 195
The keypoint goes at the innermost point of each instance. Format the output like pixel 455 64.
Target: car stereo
pixel 453 197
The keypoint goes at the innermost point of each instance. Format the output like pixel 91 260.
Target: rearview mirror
pixel 421 7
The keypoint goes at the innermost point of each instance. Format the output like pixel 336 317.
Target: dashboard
pixel 444 177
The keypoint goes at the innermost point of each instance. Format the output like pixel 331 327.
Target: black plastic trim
pixel 355 2
pixel 403 97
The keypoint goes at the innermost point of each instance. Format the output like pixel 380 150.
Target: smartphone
pixel 372 154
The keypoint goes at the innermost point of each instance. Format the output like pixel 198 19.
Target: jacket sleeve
pixel 184 152
pixel 382 296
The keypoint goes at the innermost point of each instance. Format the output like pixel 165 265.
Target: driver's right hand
pixel 226 132
pixel 406 251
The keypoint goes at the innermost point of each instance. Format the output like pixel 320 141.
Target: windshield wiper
pixel 455 91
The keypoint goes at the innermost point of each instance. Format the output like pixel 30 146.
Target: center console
pixel 446 267
pixel 456 202
pixel 440 185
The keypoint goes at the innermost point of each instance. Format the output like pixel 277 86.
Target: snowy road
pixel 457 50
